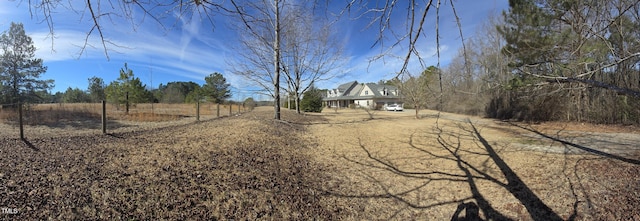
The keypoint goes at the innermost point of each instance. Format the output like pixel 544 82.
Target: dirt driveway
pixel 451 166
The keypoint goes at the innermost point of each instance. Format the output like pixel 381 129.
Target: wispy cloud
pixel 190 49
pixel 65 45
pixel 178 54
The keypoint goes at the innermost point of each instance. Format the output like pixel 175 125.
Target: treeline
pixel 550 60
pixel 129 88
pixel 20 82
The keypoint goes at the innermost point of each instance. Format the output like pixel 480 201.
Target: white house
pixel 369 95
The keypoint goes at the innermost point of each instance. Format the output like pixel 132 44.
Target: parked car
pixel 393 107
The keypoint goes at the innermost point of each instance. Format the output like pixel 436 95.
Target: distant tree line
pixel 20 81
pixel 129 88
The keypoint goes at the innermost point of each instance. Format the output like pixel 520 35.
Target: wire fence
pixel 87 118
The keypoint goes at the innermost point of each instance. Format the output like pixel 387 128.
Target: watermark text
pixel 5 210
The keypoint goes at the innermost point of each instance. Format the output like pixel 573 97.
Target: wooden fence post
pixel 198 111
pixel 126 97
pixel 218 109
pixel 20 120
pixel 230 106
pixel 104 117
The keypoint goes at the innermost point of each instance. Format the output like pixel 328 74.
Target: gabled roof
pixel 353 90
pixel 376 88
pixel 344 88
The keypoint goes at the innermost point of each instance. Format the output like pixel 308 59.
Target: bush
pixel 311 101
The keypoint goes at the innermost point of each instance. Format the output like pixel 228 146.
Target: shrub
pixel 311 101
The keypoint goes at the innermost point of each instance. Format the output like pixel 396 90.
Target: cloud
pixel 169 53
pixel 189 30
pixel 375 65
pixel 65 45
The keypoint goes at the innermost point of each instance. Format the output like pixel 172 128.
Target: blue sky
pixel 189 50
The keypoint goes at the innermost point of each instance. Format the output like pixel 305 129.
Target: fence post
pixel 20 120
pixel 218 109
pixel 126 97
pixel 198 111
pixel 104 117
pixel 230 106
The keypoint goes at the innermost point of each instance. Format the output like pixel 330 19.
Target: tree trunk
pixel 276 65
pixel 298 102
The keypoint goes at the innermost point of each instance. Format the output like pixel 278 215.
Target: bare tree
pixel 259 48
pixel 310 50
pixel 102 12
pixel 418 90
pixel 385 14
pixel 477 72
pixel 251 13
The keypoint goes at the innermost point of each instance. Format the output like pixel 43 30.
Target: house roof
pixel 344 87
pixel 376 88
pixel 353 90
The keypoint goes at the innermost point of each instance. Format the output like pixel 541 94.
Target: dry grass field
pixel 50 113
pixel 86 118
pixel 328 166
pixel 454 166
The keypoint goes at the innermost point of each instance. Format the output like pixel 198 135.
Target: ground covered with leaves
pixel 337 165
pixel 244 167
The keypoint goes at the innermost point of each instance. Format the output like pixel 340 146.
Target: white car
pixel 393 107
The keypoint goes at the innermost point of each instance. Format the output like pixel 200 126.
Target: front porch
pixel 338 103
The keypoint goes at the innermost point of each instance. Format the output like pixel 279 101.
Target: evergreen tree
pixel 215 88
pixel 127 85
pixel 178 92
pixel 19 69
pixel 250 103
pixel 75 95
pixel 528 35
pixel 312 100
pixel 96 89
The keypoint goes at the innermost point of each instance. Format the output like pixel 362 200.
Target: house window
pixel 366 92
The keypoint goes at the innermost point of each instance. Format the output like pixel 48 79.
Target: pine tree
pixel 19 69
pixel 312 100
pixel 215 88
pixel 127 88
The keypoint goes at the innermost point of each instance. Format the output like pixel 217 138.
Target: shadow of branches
pixel 581 147
pixel 462 157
